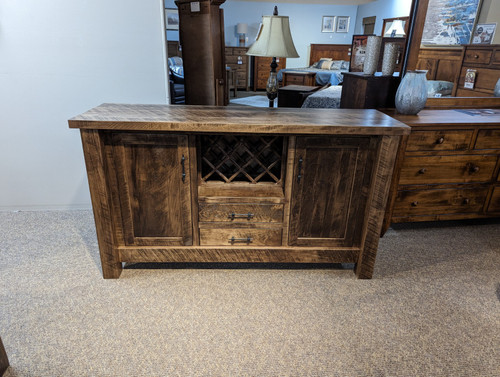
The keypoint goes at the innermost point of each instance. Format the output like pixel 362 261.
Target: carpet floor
pixel 432 308
pixel 254 101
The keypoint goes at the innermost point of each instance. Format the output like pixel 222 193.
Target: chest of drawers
pixel 448 167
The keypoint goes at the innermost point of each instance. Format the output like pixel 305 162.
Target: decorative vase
pixel 411 95
pixel 496 91
pixel 372 54
pixel 389 59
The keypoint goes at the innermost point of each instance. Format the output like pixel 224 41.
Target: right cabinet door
pixel 331 182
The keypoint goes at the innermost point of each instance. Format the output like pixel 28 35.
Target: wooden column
pixel 201 33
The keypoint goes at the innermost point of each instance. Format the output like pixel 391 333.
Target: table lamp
pixel 273 40
pixel 241 30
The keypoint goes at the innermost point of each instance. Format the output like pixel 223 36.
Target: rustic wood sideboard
pixel 214 184
pixel 448 168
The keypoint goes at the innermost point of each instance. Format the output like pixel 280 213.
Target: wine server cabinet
pixel 209 184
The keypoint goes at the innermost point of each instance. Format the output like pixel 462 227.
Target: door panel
pixel 330 189
pixel 152 175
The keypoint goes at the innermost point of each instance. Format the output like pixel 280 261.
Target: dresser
pixel 222 184
pixel 239 61
pixel 261 69
pixel 448 167
pixel 485 60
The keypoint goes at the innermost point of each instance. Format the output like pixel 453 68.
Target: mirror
pixel 437 45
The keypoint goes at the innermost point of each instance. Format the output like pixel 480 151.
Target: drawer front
pixel 439 140
pixel 488 139
pixel 496 57
pixel 435 202
pixel 294 79
pixel 494 205
pixel 477 56
pixel 447 169
pixel 486 79
pixel 240 236
pixel 241 213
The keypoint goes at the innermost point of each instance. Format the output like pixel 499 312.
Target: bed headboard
pixel 335 52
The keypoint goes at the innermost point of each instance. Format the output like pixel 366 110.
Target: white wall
pixel 59 58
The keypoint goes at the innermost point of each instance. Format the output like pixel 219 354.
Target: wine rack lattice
pixel 230 158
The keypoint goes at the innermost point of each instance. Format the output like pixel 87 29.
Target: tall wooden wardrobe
pixel 201 33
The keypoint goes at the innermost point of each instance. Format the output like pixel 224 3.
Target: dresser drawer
pixel 494 205
pixel 241 213
pixel 238 236
pixel 447 169
pixel 488 139
pixel 435 202
pixel 453 140
pixel 477 56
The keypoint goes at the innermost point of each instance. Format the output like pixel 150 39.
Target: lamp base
pixel 242 40
pixel 272 83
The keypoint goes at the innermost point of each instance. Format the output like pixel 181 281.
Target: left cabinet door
pixel 151 190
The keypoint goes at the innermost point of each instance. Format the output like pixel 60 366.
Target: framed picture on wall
pixel 342 24
pixel 358 50
pixel 328 24
pixel 172 19
pixel 450 22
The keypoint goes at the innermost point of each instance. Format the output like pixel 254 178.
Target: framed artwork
pixel 342 24
pixel 358 50
pixel 484 33
pixel 450 22
pixel 172 19
pixel 328 24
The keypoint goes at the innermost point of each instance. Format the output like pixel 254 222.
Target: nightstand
pixel 360 91
pixel 299 78
pixel 294 95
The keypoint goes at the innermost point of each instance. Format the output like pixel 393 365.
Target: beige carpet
pixel 432 309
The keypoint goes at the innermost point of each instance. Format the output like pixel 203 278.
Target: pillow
pixel 336 64
pixel 441 88
pixel 345 65
pixel 324 63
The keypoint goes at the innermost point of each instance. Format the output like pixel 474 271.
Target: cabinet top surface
pixel 236 119
pixel 462 117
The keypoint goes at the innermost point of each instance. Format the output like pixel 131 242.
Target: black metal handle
pixel 440 140
pixel 248 215
pixel 299 176
pixel 234 239
pixel 183 163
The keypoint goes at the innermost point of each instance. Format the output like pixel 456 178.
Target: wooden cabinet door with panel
pixel 330 188
pixel 152 188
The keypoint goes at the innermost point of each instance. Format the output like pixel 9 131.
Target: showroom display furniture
pixel 220 184
pixel 448 167
pixel 239 61
pixel 294 95
pixel 360 91
pixel 261 70
pixel 485 60
pixel 299 78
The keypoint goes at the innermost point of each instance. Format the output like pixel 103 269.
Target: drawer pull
pixel 440 140
pixel 422 171
pixel 414 204
pixel 466 201
pixel 246 240
pixel 233 215
pixel 183 163
pixel 476 56
pixel 473 168
pixel 299 176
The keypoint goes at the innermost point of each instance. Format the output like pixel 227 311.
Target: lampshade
pixel 396 28
pixel 274 39
pixel 241 28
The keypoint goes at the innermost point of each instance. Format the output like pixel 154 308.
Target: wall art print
pixel 450 22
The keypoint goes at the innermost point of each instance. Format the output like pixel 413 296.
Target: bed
pixel 327 98
pixel 320 53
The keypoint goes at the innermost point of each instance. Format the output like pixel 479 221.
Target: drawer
pixel 238 236
pixel 241 212
pixel 496 57
pixel 494 205
pixel 477 56
pixel 453 140
pixel 488 139
pixel 435 202
pixel 294 80
pixel 447 169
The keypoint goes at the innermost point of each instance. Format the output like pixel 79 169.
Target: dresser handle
pixel 183 161
pixel 246 240
pixel 299 176
pixel 248 215
pixel 466 201
pixel 473 168
pixel 422 171
pixel 476 56
pixel 440 140
pixel 414 204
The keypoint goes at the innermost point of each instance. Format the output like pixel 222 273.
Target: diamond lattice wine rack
pixel 250 159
